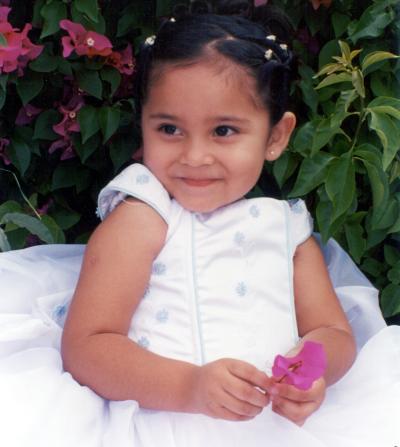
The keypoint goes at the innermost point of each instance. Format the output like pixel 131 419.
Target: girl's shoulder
pixel 135 181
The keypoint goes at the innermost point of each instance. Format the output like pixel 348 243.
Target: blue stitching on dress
pixel 254 211
pixel 239 238
pixel 196 298
pixel 241 289
pixel 159 268
pixel 144 342
pixel 142 179
pixel 162 316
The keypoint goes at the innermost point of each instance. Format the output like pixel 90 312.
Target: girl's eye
pixel 169 129
pixel 225 131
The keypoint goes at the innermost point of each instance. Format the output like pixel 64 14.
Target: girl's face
pixel 204 136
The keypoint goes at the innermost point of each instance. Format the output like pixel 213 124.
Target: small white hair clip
pixel 283 46
pixel 271 37
pixel 172 19
pixel 150 40
pixel 268 54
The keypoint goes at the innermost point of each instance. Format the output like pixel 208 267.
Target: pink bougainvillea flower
pixel 123 60
pixel 260 2
pixel 69 122
pixel 317 3
pixel 18 50
pixel 65 144
pixel 301 370
pixel 85 43
pixel 26 114
pixel 4 142
pixel 44 209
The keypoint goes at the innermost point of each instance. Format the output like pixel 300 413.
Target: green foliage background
pixel 343 158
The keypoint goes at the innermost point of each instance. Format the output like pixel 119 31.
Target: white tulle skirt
pixel 43 406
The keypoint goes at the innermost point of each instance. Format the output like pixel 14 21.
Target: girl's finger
pixel 250 374
pixel 246 392
pixel 316 392
pixel 294 411
pixel 240 407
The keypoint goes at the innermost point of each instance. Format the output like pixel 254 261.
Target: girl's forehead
pixel 207 71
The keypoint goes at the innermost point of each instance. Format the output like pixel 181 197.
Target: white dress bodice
pixel 222 284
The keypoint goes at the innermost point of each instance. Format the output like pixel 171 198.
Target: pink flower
pixel 68 124
pixel 260 2
pixel 317 3
pixel 26 114
pixel 301 370
pixel 66 145
pixel 18 50
pixel 85 43
pixel 4 142
pixel 44 209
pixel 123 61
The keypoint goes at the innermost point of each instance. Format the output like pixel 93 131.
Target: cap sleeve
pixel 134 181
pixel 300 222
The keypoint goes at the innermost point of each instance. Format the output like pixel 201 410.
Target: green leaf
pixel 390 300
pixel 45 63
pixel 85 150
pixel 9 207
pixel 44 125
pixel 340 184
pixel 392 254
pixel 130 19
pixel 340 23
pixel 284 167
pixel 52 13
pixel 109 118
pixel 388 110
pixel 88 7
pixel 374 57
pixel 354 232
pixel 3 81
pixel 325 131
pixel 99 26
pixel 29 86
pixel 369 25
pixel 303 137
pixel 112 76
pixel 3 97
pixel 66 218
pixel 334 79
pixel 67 176
pixel 20 153
pixel 345 49
pixel 32 224
pixel 358 82
pixel 312 173
pixel 370 157
pixel 4 244
pixel 121 150
pixel 328 51
pixel 394 274
pixel 56 232
pixel 90 82
pixel 3 41
pixel 372 267
pixel 88 122
pixel 389 134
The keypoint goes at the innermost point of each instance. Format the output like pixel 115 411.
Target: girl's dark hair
pixel 191 37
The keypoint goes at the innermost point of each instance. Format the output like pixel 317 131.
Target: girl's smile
pixel 204 136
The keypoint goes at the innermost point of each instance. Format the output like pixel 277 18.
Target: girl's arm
pixel 320 318
pixel 98 353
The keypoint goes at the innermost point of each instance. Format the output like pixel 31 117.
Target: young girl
pixel 188 290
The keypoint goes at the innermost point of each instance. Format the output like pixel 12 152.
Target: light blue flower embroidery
pixel 142 179
pixel 59 313
pixel 144 342
pixel 254 211
pixel 162 316
pixel 239 238
pixel 159 268
pixel 241 289
pixel 97 212
pixel 296 206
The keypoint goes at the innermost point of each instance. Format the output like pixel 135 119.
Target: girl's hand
pixel 230 389
pixel 294 404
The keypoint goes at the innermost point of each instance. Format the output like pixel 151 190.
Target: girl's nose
pixel 197 153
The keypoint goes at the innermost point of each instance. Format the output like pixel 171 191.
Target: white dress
pixel 220 287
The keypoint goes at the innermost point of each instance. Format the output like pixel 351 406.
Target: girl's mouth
pixel 198 182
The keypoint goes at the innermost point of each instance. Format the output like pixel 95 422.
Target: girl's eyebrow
pixel 167 116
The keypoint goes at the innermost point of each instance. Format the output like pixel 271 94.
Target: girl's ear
pixel 280 135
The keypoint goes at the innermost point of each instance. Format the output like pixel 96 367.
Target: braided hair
pixel 191 38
